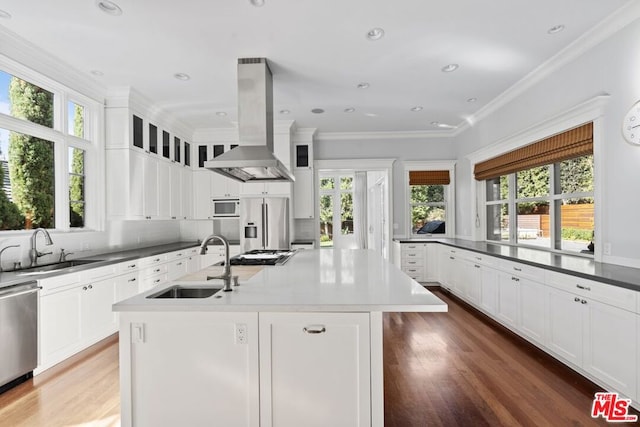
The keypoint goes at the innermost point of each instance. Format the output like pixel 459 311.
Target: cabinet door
pixel 187 193
pixel 223 187
pixel 565 325
pixel 532 309
pixel 219 386
pixel 489 289
pixel 126 286
pixel 507 303
pixel 431 263
pixel 314 370
pixel 303 194
pixel 151 188
pixel 137 184
pixel 177 268
pixel 473 277
pixel 98 318
pixel 164 189
pixel 609 345
pixel 60 333
pixel 202 194
pixel 175 209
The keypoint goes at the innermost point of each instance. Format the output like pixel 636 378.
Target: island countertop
pixel 321 280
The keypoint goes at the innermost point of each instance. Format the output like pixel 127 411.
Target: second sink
pixel 186 292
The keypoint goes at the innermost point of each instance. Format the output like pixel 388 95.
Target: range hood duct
pixel 253 159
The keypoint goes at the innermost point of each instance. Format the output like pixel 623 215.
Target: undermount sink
pixel 187 292
pixel 43 269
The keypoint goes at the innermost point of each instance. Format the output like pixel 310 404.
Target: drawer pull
pixel 452 257
pixel 517 269
pixel 411 262
pixel 576 299
pixel 478 258
pixel 314 329
pixel 90 287
pixel 131 266
pixel 156 281
pixel 586 288
pixel 156 260
pixel 515 279
pixel 584 301
pixel 157 270
pixel 132 280
pixel 476 266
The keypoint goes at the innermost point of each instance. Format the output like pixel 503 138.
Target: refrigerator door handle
pixel 265 226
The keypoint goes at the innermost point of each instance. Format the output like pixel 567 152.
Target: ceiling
pixel 317 50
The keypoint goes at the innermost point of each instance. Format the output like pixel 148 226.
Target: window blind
pixel 566 145
pixel 429 178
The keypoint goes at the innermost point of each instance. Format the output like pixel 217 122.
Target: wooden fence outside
pixel 573 216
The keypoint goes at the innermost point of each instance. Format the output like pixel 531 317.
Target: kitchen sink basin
pixel 43 269
pixel 187 292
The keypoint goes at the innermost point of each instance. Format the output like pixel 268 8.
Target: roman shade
pixel 567 145
pixel 429 178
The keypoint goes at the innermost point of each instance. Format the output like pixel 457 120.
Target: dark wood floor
pixel 441 369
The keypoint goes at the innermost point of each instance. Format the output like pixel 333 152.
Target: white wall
pixel 611 67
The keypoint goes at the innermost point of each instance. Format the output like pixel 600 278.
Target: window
pixel 336 207
pixel 429 196
pixel 37 178
pixel 547 205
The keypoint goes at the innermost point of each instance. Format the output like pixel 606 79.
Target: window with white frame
pixel 44 148
pixel 544 196
pixel 430 196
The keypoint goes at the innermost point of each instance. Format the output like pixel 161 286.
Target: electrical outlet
pixel 241 333
pixel 607 248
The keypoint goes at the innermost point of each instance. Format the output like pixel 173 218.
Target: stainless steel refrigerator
pixel 264 223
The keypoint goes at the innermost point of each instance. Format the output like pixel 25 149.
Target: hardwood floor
pixel 441 369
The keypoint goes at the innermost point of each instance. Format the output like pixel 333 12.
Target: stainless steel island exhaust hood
pixel 253 160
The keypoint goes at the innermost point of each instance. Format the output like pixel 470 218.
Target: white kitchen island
pixel 298 344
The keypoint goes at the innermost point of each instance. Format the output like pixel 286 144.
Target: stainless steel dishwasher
pixel 18 333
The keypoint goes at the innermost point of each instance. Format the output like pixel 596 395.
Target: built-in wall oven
pixel 18 333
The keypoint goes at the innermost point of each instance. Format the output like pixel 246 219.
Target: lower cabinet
pixel 246 369
pixel 315 369
pixel 507 299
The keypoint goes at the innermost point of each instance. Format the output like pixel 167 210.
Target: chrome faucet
pixel 4 249
pixel 34 254
pixel 226 275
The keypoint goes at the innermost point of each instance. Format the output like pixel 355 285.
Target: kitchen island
pixel 298 344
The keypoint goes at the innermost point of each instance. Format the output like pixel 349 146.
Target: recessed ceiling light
pixel 442 125
pixel 375 34
pixel 284 111
pixel 349 110
pixel 449 68
pixel 472 99
pixel 363 85
pixel 416 108
pixel 4 14
pixel 97 73
pixel 555 29
pixel 182 76
pixel 109 7
pixel 371 114
pixel 257 3
pixel 317 111
pixel 221 114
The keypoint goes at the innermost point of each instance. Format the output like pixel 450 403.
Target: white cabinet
pixel 489 289
pixel 97 318
pixel 126 286
pixel 303 194
pixel 532 309
pixel 187 193
pixel 262 189
pixel 507 299
pixel 565 325
pixel 175 203
pixel 225 188
pixel 221 375
pixel 413 260
pixel 314 369
pixel 164 189
pixel 202 205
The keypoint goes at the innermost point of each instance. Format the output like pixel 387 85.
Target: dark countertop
pixel 11 278
pixel 587 268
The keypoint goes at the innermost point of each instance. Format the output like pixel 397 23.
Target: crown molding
pixel 303 134
pixel 599 33
pixel 395 135
pixel 33 57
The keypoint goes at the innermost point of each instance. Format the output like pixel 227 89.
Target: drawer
pixel 151 282
pixel 57 282
pixel 416 273
pixel 152 260
pixel 98 273
pixel 129 266
pixel 178 254
pixel 483 259
pixel 522 270
pixel 154 270
pixel 412 262
pixel 412 247
pixel 598 291
pixel 412 255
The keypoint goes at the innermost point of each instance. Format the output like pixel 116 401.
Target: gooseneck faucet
pixel 34 254
pixel 226 275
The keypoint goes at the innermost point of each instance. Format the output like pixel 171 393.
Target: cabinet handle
pixel 452 257
pixel 178 255
pixel 453 252
pixel 131 266
pixel 156 260
pixel 84 288
pixel 576 299
pixel 411 262
pixel 132 280
pixel 180 263
pixel 515 279
pixel 476 266
pixel 314 329
pixel 584 301
pixel 517 269
pixel 90 286
pixel 156 281
pixel 478 258
pixel 586 288
pixel 157 270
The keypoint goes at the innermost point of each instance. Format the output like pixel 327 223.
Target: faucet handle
pixel 235 281
pixel 64 255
